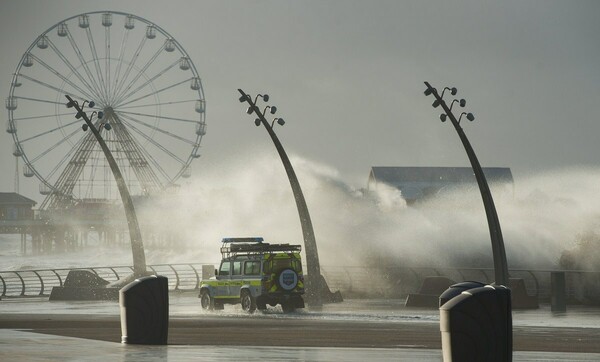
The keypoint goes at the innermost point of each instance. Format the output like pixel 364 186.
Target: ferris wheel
pixel 138 75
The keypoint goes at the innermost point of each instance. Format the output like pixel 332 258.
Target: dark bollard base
pixel 145 311
pixel 476 325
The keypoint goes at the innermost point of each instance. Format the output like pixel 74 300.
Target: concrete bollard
pixel 558 302
pixel 145 311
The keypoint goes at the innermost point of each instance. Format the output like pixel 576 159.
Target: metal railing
pixel 355 281
pixel 36 283
pixel 396 282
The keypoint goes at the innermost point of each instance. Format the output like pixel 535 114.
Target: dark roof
pixel 396 175
pixel 12 198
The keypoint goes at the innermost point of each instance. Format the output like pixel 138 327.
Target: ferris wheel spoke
pixel 107 60
pixel 58 74
pixel 149 139
pixel 119 64
pixel 42 116
pixel 154 93
pixel 48 131
pixel 43 84
pixel 66 157
pixel 159 104
pixel 130 66
pixel 141 72
pixel 161 117
pixel 149 81
pixel 84 64
pixel 96 60
pixel 189 142
pixel 60 142
pixel 153 161
pixel 72 67
pixel 38 100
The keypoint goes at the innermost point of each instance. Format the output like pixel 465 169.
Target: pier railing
pixel 39 282
pixel 352 281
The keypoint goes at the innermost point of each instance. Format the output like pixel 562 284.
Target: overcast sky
pixel 347 76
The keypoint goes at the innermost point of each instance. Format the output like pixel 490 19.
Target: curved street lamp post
pixel 482 316
pixel 312 255
pixel 137 247
pixel 498 251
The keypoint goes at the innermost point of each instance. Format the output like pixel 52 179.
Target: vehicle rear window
pixel 282 264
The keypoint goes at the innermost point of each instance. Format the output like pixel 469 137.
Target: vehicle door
pixel 252 275
pixel 236 278
pixel 223 279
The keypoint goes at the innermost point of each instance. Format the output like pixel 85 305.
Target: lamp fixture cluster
pixel 439 100
pixel 253 108
pixel 80 113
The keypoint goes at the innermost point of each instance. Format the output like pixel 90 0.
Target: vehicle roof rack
pixel 264 247
pixel 257 239
pixel 234 246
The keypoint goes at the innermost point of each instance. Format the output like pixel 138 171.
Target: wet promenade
pixel 356 330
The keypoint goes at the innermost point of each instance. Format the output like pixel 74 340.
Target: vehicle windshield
pixel 224 269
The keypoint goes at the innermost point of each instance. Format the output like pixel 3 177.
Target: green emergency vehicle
pixel 255 274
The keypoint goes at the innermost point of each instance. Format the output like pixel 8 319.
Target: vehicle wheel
pixel 288 307
pixel 248 301
pixel 206 301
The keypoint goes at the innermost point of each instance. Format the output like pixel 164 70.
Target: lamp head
pixel 243 99
pixel 79 115
pixel 443 117
pixel 280 121
pixel 265 97
pixel 84 127
pixel 91 104
pixel 273 110
pixel 71 104
pixel 435 103
pixel 453 91
pixel 100 114
pixel 107 126
pixel 428 91
pixel 463 102
pixel 470 117
pixel 257 122
pixel 250 110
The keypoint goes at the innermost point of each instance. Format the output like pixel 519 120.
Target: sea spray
pixel 250 196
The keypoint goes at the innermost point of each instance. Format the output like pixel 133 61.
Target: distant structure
pixel 16 215
pixel 417 183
